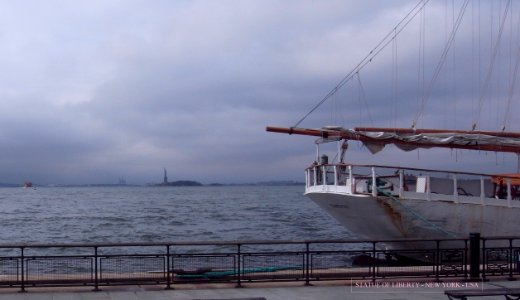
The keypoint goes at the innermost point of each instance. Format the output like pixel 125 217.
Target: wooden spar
pixel 303 131
pixel 421 131
pixel 325 133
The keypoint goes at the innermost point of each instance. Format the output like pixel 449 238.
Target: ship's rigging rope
pixel 362 95
pixel 441 63
pixel 512 83
pixel 487 81
pixel 422 57
pixel 426 89
pixel 371 55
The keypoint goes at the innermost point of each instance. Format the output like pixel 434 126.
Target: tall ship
pixel 378 202
pixel 389 201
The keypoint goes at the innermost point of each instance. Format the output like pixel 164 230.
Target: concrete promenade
pixel 388 290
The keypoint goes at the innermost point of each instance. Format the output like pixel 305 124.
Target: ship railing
pixel 96 266
pixel 427 184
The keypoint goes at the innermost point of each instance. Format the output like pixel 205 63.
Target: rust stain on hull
pixel 394 215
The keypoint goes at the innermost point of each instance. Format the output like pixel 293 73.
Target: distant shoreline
pixel 179 183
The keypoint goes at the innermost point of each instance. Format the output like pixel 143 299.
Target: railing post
pixel 168 271
pixel 335 175
pixel 428 189
pixel 351 180
pixel 465 259
pixel 22 290
pixel 508 192
pixel 315 174
pixel 516 261
pixel 96 279
pixel 484 260
pixel 511 260
pixel 374 262
pixel 307 264
pixel 455 189
pixel 482 191
pixel 238 271
pixel 374 182
pixel 401 183
pixel 437 260
pixel 474 256
pixel 324 175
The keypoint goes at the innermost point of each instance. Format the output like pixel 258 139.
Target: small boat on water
pixel 27 184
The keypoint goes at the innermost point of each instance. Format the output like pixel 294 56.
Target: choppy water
pixel 161 214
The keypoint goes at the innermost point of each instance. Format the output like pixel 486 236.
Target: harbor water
pixel 54 215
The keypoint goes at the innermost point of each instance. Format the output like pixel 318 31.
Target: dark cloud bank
pixel 95 90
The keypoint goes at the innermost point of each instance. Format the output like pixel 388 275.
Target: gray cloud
pixel 94 90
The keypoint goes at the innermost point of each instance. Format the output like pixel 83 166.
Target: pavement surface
pixel 388 290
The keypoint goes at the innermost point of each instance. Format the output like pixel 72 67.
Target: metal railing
pixel 421 183
pixel 169 264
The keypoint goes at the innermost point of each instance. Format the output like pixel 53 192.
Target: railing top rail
pixel 500 238
pixel 412 169
pixel 233 243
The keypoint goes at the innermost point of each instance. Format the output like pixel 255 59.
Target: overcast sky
pixel 91 91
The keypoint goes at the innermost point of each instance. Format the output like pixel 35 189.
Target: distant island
pixel 173 183
pixel 122 183
pixel 196 183
pixel 262 183
pixel 178 182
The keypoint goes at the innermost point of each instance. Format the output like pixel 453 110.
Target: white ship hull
pixel 431 210
pixel 380 218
